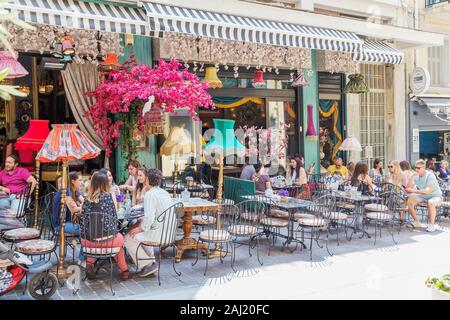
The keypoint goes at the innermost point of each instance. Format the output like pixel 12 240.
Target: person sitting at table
pixel 248 170
pixel 338 167
pixel 406 172
pixel 149 228
pixel 362 180
pixel 351 169
pixel 141 188
pixel 395 173
pixel 99 199
pixel 131 183
pixel 13 181
pixel 74 201
pixel 113 187
pixel 296 172
pixel 427 191
pixel 261 178
pixel 376 173
pixel 442 171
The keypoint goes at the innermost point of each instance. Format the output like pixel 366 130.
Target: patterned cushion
pixel 279 213
pixel 226 202
pixel 315 222
pixel 346 205
pixel 376 207
pixel 299 215
pixel 101 251
pixel 6 279
pixel 249 216
pixel 22 234
pixel 380 216
pixel 274 222
pixel 215 235
pixel 242 229
pixel 203 220
pixel 35 246
pixel 446 204
pixel 338 216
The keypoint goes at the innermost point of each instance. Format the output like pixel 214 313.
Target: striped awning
pixel 82 15
pixel 239 28
pixel 378 52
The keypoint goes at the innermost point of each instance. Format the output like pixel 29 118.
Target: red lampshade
pixel 111 63
pixel 35 136
pixel 311 133
pixel 258 80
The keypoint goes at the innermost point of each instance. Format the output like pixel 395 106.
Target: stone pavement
pixel 357 270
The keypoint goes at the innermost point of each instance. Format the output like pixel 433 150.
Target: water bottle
pixel 127 202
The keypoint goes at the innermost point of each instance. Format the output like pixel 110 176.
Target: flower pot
pixel 437 294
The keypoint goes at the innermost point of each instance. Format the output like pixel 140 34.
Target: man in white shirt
pixel 149 229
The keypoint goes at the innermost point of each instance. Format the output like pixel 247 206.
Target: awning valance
pixel 239 28
pixel 82 15
pixel 378 52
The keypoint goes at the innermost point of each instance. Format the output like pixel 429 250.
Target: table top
pixel 291 203
pixel 343 195
pixel 195 202
pixel 170 185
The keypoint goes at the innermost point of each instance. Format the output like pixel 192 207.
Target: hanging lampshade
pixel 9 61
pixel 311 133
pixel 299 81
pixel 56 48
pixel 66 59
pixel 356 84
pixel 212 78
pixel 258 80
pixel 350 144
pixel 110 63
pixel 68 45
pixel 35 136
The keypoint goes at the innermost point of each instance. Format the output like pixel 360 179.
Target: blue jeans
pixel 10 202
pixel 74 229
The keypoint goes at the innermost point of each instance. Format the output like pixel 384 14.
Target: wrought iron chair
pixel 98 231
pixel 167 222
pixel 382 212
pixel 317 222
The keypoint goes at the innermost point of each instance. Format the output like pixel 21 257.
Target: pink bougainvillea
pixel 125 91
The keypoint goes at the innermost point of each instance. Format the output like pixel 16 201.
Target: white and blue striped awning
pixel 82 15
pixel 378 52
pixel 238 28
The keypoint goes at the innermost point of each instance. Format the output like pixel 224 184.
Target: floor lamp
pixel 65 142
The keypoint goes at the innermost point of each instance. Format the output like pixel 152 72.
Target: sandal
pixel 125 275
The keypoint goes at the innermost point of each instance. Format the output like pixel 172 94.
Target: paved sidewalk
pixel 357 270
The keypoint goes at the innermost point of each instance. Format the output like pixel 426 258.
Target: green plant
pixel 7 91
pixel 442 283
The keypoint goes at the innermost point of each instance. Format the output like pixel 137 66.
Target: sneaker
pixel 433 227
pixel 418 224
pixel 148 270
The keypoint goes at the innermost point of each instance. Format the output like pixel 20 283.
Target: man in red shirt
pixel 13 182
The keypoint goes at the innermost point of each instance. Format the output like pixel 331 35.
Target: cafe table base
pixel 188 244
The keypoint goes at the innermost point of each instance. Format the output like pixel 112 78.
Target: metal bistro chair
pixel 167 222
pixel 99 246
pixel 382 212
pixel 24 213
pixel 317 222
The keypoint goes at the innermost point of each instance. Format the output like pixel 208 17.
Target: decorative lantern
pixel 9 61
pixel 356 84
pixel 57 48
pixel 154 119
pixel 258 80
pixel 110 63
pixel 24 88
pixel 299 81
pixel 311 133
pixel 68 45
pixel 212 78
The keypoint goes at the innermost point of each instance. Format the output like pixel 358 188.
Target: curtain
pixel 327 109
pixel 231 102
pixel 79 79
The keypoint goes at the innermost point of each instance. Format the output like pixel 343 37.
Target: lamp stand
pixel 36 196
pixel 216 253
pixel 175 176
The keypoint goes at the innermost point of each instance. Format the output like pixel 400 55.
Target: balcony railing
pixel 430 3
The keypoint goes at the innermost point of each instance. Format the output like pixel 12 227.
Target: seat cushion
pixel 346 205
pixel 22 234
pixel 101 251
pixel 338 216
pixel 226 202
pixel 274 222
pixel 299 215
pixel 203 220
pixel 314 222
pixel 215 235
pixel 445 204
pixel 242 229
pixel 279 213
pixel 35 246
pixel 379 216
pixel 376 207
pixel 249 216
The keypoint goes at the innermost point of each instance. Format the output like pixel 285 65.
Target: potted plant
pixel 440 287
pixel 284 194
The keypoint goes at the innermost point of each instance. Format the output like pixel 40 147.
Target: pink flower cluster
pixel 170 86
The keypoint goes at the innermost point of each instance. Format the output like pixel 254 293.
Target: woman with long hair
pixel 406 172
pixel 113 187
pixel 99 199
pixel 395 173
pixel 377 171
pixel 130 184
pixel 361 179
pixel 141 188
pixel 296 172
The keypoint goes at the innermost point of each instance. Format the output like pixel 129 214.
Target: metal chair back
pixel 167 220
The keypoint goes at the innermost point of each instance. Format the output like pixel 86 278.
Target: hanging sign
pixel 415 141
pixel 420 80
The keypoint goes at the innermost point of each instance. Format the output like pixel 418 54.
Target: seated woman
pixel 296 172
pixel 361 179
pixel 130 184
pixel 113 187
pixel 141 188
pixel 395 173
pixel 442 171
pixel 99 199
pixel 261 178
pixel 74 201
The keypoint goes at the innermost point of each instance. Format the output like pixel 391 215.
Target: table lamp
pixel 65 142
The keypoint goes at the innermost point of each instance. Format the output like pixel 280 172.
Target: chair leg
pixel 257 250
pixel 159 265
pixel 174 257
pixel 207 258
pixel 233 255
pixel 196 258
pixel 111 276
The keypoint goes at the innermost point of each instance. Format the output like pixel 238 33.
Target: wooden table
pixel 191 206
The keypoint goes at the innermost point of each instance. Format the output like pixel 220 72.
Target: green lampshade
pixel 224 141
pixel 356 84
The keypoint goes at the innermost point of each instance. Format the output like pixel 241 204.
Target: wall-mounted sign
pixel 415 140
pixel 420 80
pixel 446 143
